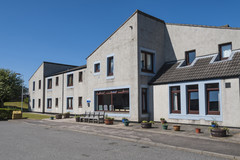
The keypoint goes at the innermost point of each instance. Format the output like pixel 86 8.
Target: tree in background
pixel 10 86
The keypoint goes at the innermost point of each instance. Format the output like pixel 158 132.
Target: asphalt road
pixel 21 141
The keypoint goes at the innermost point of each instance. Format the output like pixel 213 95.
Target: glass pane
pixel 111 61
pixel 213 100
pixel 226 50
pixel 191 56
pixel 143 61
pixel 194 104
pixel 149 62
pixel 175 101
pixel 121 102
pixel 213 85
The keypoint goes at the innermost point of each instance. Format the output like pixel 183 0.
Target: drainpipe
pixel 62 92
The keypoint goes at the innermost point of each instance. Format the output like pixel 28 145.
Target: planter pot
pixel 66 116
pixel 218 132
pixel 58 116
pixel 165 127
pixel 198 130
pixel 126 123
pixel 213 125
pixel 52 118
pixel 163 121
pixel 108 121
pixel 146 125
pixel 176 128
pixel 77 119
pixel 123 120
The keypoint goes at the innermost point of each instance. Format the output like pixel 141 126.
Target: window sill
pixel 70 87
pixel 147 73
pixel 110 77
pixel 96 73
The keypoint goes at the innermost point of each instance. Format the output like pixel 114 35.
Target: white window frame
pixel 67 80
pixel 96 73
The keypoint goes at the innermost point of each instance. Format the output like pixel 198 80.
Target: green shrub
pixel 6 113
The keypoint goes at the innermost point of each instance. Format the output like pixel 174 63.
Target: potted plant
pixel 66 115
pixel 59 116
pixel 218 131
pixel 165 126
pixel 126 122
pixel 52 118
pixel 198 130
pixel 162 120
pixel 214 124
pixel 77 118
pixel 108 120
pixel 176 128
pixel 146 124
pixel 124 119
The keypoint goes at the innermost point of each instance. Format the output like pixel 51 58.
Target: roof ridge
pixel 204 26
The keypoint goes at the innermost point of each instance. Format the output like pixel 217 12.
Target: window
pixel 33 85
pixel 33 103
pixel 193 99
pixel 190 56
pixel 144 100
pixel 39 84
pixel 96 67
pixel 80 79
pixel 110 66
pixel 70 103
pixel 56 102
pixel 175 99
pixel 39 103
pixel 57 79
pixel 212 97
pixel 49 103
pixel 113 100
pixel 49 85
pixel 70 80
pixel 225 50
pixel 146 62
pixel 79 102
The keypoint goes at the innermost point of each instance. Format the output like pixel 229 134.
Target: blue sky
pixel 67 31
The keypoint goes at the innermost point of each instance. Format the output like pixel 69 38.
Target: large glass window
pixel 225 50
pixel 70 80
pixel 113 100
pixel 212 97
pixel 49 103
pixel 144 100
pixel 190 56
pixel 49 84
pixel 193 99
pixel 175 99
pixel 70 103
pixel 146 61
pixel 110 66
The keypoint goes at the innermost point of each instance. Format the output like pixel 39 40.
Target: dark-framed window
pixel 33 85
pixel 146 62
pixel 33 103
pixel 190 56
pixel 70 103
pixel 225 50
pixel 193 99
pixel 112 100
pixel 39 84
pixel 39 103
pixel 56 102
pixel 175 99
pixel 57 81
pixel 70 80
pixel 49 103
pixel 110 66
pixel 212 98
pixel 49 84
pixel 80 76
pixel 79 102
pixel 96 67
pixel 144 100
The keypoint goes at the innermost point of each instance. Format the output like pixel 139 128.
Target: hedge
pixel 6 113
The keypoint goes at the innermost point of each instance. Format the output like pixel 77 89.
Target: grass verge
pixel 16 105
pixel 34 116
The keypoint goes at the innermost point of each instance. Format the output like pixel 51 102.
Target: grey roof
pixel 69 70
pixel 201 70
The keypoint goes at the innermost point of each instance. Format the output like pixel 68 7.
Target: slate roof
pixel 202 69
pixel 69 70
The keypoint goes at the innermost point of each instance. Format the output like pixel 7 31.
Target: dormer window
pixel 225 50
pixel 190 56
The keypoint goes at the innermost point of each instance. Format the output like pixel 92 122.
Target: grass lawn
pixel 30 115
pixel 16 105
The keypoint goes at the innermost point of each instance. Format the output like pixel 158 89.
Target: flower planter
pixel 164 127
pixel 198 130
pixel 176 128
pixel 126 123
pixel 52 118
pixel 218 132
pixel 66 115
pixel 108 121
pixel 58 116
pixel 123 120
pixel 213 125
pixel 163 121
pixel 146 125
pixel 77 119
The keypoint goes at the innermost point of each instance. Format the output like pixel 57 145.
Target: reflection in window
pixel 193 99
pixel 175 99
pixel 190 56
pixel 212 96
pixel 225 50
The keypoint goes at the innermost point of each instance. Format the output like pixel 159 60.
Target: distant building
pixel 149 69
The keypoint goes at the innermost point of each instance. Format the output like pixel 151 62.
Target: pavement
pixel 186 139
